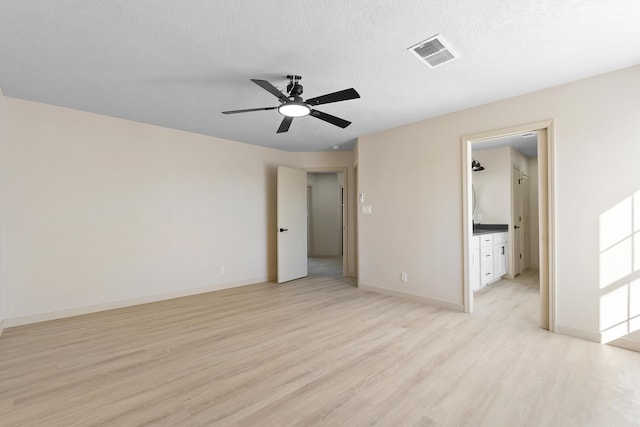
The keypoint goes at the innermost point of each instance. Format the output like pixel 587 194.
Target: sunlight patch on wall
pixel 619 277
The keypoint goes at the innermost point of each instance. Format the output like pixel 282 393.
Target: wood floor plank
pixel 315 351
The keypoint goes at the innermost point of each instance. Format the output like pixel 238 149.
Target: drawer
pixel 486 253
pixel 486 240
pixel 486 277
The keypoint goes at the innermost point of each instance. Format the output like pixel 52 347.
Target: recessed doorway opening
pixel 326 208
pixel 501 210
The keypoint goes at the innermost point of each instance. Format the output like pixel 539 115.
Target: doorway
pixel 544 198
pixel 326 222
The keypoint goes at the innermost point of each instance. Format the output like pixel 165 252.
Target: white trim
pixel 578 333
pixel 626 343
pixel 78 311
pixel 425 300
pixel 598 337
pixel 467 234
pixel 551 223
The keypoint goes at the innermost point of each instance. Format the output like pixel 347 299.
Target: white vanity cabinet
pixel 488 259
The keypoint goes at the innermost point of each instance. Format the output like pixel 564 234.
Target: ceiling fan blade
pixel 284 126
pixel 248 110
pixel 271 89
pixel 330 119
pixel 342 95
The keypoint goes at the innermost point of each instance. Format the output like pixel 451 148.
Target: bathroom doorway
pixel 494 205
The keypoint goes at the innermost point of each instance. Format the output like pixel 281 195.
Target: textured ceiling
pixel 180 63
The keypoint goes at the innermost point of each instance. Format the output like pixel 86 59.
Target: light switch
pixel 361 197
pixel 366 210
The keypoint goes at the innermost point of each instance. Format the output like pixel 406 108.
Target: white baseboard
pixel 599 337
pixel 425 300
pixel 626 343
pixel 579 333
pixel 78 311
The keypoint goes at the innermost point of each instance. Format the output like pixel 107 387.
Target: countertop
pixel 479 229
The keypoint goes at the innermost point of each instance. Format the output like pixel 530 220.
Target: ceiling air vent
pixel 433 51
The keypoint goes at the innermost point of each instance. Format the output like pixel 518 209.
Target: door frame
pixel 345 211
pixel 546 207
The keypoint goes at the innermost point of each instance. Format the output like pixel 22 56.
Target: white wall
pixel 325 215
pixel 416 224
pixel 101 212
pixel 519 160
pixel 493 186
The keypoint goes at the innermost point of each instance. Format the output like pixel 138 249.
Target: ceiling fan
pixel 292 105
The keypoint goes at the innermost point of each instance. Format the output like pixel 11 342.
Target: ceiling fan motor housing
pixel 294 89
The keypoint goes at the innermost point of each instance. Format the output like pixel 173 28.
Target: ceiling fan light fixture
pixel 295 108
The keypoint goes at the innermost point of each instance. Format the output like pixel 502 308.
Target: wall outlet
pixel 221 270
pixel 403 277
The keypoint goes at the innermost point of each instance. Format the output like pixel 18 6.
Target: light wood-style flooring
pixel 316 351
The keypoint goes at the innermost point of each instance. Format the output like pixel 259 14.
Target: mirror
pixel 473 199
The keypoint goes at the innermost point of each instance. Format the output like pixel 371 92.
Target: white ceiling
pixel 180 63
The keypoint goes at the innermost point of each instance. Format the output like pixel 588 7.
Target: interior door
pixel 516 214
pixel 292 224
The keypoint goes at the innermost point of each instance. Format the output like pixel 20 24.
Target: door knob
pixel 284 229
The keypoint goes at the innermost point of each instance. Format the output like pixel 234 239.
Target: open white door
pixel 292 224
pixel 516 215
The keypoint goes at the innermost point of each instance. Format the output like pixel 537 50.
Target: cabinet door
pixel 499 260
